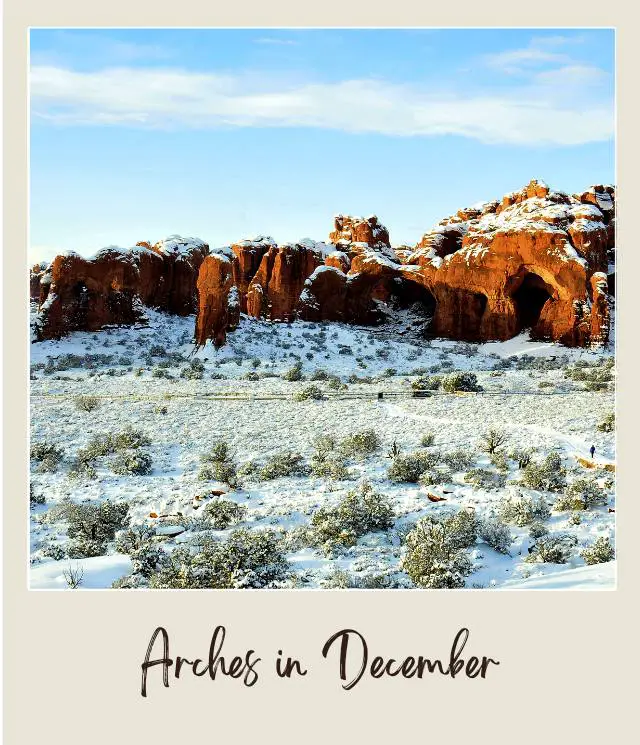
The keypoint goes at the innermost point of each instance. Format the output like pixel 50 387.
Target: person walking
pixel 592 450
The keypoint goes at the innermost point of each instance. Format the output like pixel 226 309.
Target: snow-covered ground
pixel 243 399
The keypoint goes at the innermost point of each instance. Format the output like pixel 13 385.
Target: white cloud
pixel 538 111
pixel 541 51
pixel 277 42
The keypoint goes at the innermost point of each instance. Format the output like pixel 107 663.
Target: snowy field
pixel 183 402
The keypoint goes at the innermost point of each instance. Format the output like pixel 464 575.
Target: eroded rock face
pixel 525 263
pixel 537 259
pixel 350 230
pixel 219 299
pixel 249 255
pixel 112 287
pixel 324 296
pixel 87 294
pixel 276 287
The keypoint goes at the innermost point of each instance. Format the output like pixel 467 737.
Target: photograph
pixel 322 309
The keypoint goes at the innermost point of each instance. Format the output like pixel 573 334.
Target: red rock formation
pixel 219 300
pixel 249 255
pixel 338 260
pixel 359 230
pixel 324 296
pixel 176 292
pixel 526 265
pixel 86 294
pixel 275 289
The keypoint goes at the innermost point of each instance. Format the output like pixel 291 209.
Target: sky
pixel 225 134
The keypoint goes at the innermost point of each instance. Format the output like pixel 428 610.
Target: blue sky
pixel 225 134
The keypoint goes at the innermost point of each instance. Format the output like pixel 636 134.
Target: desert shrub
pixel 599 552
pixel 91 526
pixel 252 376
pixel 493 439
pixel 327 461
pixel 438 474
pixel 336 384
pixel 54 551
pixel 458 460
pixel 546 476
pixel 160 409
pixel 319 374
pixel 434 558
pixel 608 424
pixel 361 511
pixel 98 446
pixel 223 471
pixel 575 518
pixel 309 393
pixel 86 403
pixel 553 548
pixel 582 494
pixel 35 498
pixel 130 439
pixel 159 372
pixel 247 559
pixel 519 510
pixel 361 444
pixel 82 468
pixel 495 534
pixel 537 529
pixel 221 513
pixel 339 579
pixel 427 440
pixel 138 542
pixel 522 456
pixel 499 460
pixel 595 385
pixel 157 351
pixel 132 464
pixel 462 528
pixel 217 465
pixel 293 373
pixel 482 478
pixel 427 383
pixel 219 452
pixel 283 464
pixel 461 381
pixel 193 371
pixel 248 469
pixel 47 456
pixel 409 468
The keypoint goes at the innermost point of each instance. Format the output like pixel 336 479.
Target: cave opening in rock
pixel 80 294
pixel 530 298
pixel 408 303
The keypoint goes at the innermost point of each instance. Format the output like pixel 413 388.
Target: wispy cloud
pixel 539 111
pixel 541 51
pixel 275 41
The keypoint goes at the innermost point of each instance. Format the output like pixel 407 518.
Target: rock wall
pixel 537 259
pixel 113 286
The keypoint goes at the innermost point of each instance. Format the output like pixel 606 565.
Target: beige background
pixel 72 660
